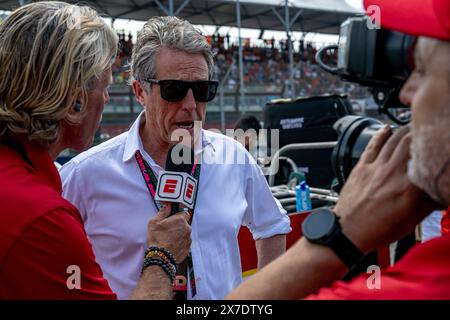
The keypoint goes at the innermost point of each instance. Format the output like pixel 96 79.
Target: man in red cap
pixel 384 197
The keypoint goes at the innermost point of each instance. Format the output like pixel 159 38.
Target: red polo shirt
pixel 43 246
pixel 423 273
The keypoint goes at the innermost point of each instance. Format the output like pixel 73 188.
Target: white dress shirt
pixel 431 226
pixel 107 187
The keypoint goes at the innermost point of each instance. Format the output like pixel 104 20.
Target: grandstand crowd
pixel 266 68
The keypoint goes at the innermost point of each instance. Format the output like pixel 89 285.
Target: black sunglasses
pixel 176 90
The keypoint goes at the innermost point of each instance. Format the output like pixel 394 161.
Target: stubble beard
pixel 429 166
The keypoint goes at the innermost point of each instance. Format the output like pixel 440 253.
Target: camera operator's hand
pixel 378 204
pixel 170 232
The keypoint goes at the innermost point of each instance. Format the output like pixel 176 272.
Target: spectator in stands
pixel 382 200
pixel 263 67
pixel 172 68
pixel 55 66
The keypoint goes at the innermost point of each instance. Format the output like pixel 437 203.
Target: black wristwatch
pixel 322 227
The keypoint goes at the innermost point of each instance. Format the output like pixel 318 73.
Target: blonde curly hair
pixel 49 53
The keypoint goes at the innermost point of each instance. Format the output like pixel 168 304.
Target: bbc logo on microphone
pixel 177 187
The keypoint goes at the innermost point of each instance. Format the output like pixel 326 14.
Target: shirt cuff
pixel 282 227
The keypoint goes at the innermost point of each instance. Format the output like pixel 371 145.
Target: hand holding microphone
pixel 170 228
pixel 171 232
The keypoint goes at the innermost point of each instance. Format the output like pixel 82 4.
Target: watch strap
pixel 345 249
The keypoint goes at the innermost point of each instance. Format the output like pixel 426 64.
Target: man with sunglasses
pixel 172 68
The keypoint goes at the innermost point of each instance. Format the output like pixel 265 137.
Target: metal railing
pixel 274 163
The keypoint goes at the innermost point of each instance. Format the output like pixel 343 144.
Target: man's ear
pixel 138 92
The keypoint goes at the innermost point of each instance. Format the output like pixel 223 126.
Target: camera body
pixel 374 57
pixel 377 58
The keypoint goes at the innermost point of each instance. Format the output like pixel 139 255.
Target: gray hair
pixel 171 33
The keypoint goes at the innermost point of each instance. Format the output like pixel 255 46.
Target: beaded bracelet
pixel 157 254
pixel 153 261
pixel 166 252
pixel 168 268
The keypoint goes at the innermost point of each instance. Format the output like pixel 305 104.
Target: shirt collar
pixel 133 141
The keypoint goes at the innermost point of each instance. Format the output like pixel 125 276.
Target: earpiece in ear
pixel 77 106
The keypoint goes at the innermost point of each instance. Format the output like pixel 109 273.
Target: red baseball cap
pixel 430 18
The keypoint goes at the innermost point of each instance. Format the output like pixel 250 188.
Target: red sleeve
pixel 423 273
pixel 37 265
